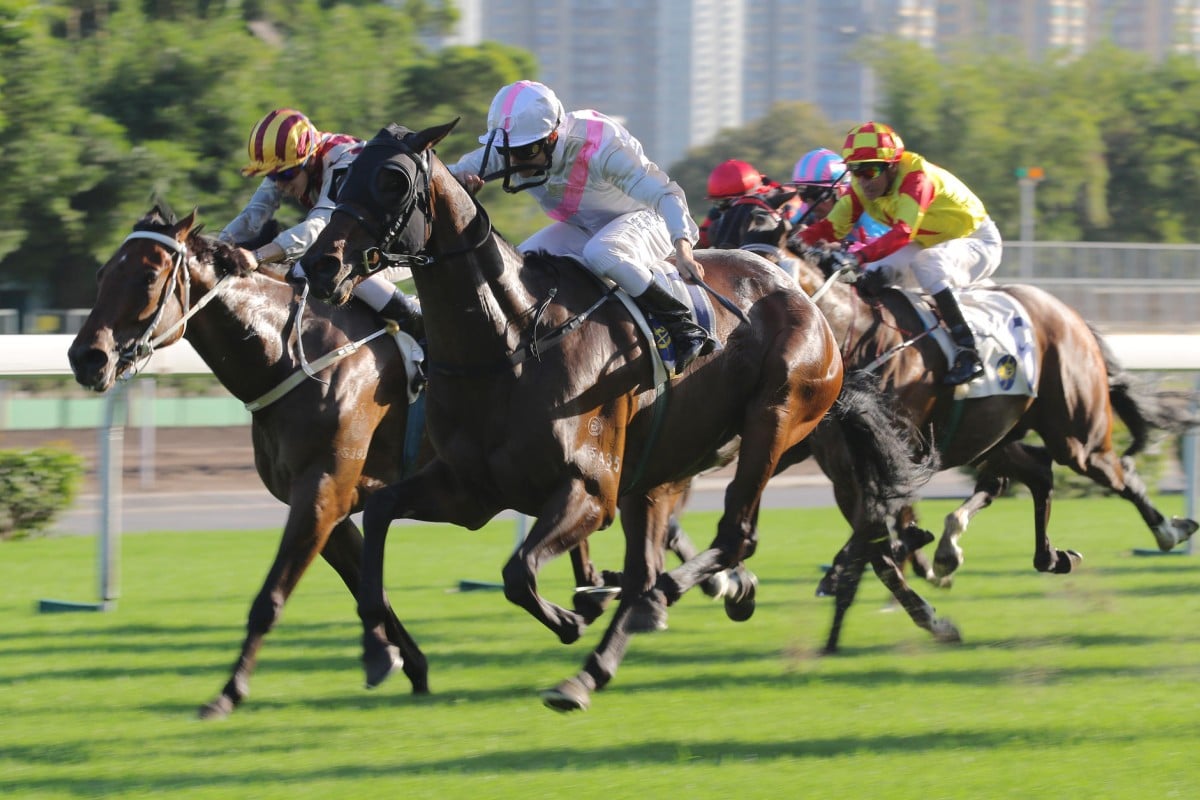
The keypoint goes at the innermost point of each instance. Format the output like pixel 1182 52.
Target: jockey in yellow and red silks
pixel 939 235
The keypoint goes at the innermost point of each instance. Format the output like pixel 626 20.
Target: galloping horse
pixel 541 399
pixel 320 448
pixel 1080 386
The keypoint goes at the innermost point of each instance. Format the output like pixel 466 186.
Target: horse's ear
pixel 185 226
pixel 424 140
pixel 778 197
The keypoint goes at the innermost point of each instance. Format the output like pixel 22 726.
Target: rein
pixel 139 353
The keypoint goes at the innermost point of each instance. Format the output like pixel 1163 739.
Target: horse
pixel 320 448
pixel 542 399
pixel 1081 389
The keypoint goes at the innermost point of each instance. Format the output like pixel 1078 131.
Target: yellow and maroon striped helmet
pixel 872 141
pixel 281 140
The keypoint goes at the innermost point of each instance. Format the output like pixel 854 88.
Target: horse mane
pixel 749 220
pixel 226 259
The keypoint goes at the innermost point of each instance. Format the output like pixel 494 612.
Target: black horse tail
pixel 882 445
pixel 1142 411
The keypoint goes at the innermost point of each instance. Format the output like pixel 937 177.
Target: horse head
pixel 755 223
pixel 144 291
pixel 384 214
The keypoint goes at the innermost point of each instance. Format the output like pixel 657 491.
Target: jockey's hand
pixel 837 260
pixel 872 283
pixel 687 264
pixel 471 182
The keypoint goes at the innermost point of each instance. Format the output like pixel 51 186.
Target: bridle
pixel 141 349
pixel 394 224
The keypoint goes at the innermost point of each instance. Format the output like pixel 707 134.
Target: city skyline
pixel 677 72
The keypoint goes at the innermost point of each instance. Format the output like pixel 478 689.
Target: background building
pixel 678 71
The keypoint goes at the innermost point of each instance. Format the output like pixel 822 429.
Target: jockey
pixel 731 180
pixel 614 209
pixel 939 232
pixel 300 162
pixel 820 178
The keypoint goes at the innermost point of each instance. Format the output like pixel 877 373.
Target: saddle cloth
pixel 1003 336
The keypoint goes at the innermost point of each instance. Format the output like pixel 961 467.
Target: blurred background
pixel 1074 120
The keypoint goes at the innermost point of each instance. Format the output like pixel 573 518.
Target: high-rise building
pixel 678 71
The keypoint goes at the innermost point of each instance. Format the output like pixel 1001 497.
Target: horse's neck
pixel 241 333
pixel 473 302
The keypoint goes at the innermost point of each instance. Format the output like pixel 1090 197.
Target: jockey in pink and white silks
pixel 615 210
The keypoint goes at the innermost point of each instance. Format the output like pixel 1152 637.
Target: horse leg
pixel 432 495
pixel 949 555
pixel 1121 475
pixel 593 590
pixel 305 533
pixel 1030 465
pixel 853 562
pixel 343 552
pixel 642 608
pixel 568 518
pixel 919 610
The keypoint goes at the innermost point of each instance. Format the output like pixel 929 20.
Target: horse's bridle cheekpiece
pixel 403 234
pixel 389 152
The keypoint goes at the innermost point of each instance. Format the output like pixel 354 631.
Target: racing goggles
pixel 815 194
pixel 867 170
pixel 525 152
pixel 286 175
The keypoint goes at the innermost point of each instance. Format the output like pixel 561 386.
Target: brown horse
pixel 320 448
pixel 1080 387
pixel 568 427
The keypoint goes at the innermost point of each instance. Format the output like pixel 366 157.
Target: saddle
pixel 1004 338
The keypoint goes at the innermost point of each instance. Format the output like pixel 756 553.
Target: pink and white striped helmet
pixel 527 111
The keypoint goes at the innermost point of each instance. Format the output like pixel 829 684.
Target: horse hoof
pixel 1170 535
pixel 941 581
pixel 945 631
pixel 648 615
pixel 219 708
pixel 716 585
pixel 570 695
pixel 379 663
pixel 591 601
pixel 827 586
pixel 741 608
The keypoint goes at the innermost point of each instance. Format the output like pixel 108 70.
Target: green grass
pixel 1080 686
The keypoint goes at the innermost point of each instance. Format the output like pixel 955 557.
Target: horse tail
pixel 1142 411
pixel 882 445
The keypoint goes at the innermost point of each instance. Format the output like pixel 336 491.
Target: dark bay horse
pixel 542 399
pixel 1080 390
pixel 321 448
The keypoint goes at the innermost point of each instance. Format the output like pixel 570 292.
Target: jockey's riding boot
pixel 967 365
pixel 690 339
pixel 405 312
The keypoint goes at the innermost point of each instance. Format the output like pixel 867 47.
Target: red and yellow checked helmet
pixel 281 140
pixel 872 141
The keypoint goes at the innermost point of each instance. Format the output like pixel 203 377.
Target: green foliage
pixel 34 486
pixel 106 103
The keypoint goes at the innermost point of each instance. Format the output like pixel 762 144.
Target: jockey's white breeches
pixel 955 264
pixel 622 251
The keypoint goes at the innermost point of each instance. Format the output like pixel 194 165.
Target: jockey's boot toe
pixel 690 344
pixel 966 367
pixel 405 312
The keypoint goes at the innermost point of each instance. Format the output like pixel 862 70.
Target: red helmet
pixel 733 178
pixel 872 141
